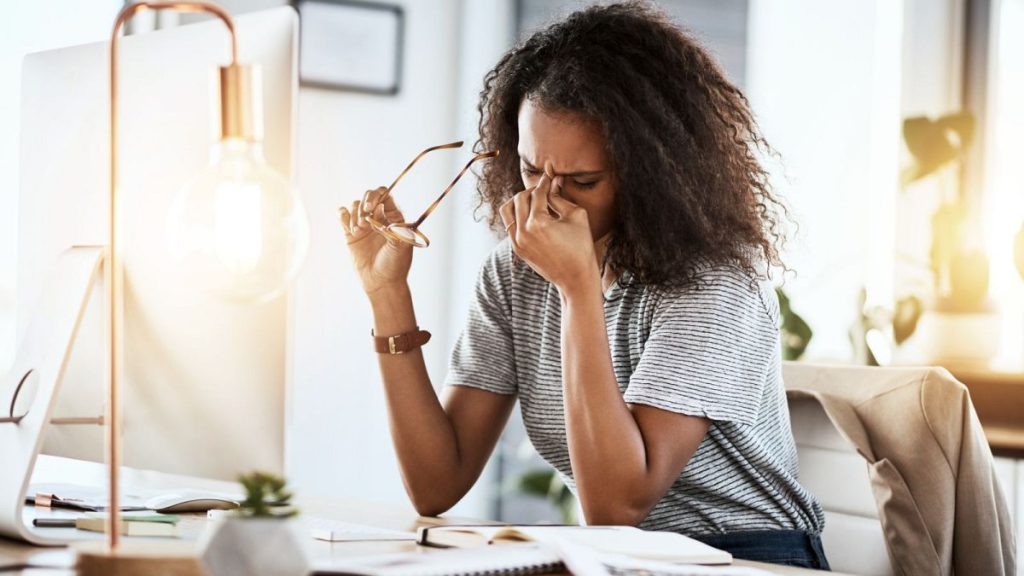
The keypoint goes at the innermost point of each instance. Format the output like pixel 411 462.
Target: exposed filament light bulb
pixel 239 226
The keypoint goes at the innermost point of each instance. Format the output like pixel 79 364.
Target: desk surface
pixel 381 515
pixel 998 397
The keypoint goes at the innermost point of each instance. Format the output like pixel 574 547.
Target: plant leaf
pixel 933 143
pixel 905 317
pixel 536 482
pixel 796 333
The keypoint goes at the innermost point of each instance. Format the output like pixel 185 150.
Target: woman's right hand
pixel 380 262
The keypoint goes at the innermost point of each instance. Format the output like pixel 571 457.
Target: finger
pixel 372 198
pixel 539 200
pixel 557 185
pixel 507 212
pixel 560 203
pixel 367 201
pixel 521 204
pixel 388 199
pixel 357 217
pixel 346 220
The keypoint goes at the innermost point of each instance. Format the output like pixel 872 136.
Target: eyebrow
pixel 567 174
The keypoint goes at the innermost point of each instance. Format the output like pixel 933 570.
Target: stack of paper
pixel 132 524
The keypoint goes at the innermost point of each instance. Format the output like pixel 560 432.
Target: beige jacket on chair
pixel 941 508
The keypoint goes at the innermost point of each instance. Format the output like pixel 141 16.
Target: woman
pixel 625 309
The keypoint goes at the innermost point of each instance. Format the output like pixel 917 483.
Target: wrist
pixel 387 290
pixel 582 286
pixel 392 310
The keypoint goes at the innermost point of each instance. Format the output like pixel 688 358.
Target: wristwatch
pixel 400 343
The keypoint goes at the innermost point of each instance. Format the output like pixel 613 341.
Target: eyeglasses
pixel 409 232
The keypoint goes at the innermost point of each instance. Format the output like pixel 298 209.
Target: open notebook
pixel 624 540
pixel 516 559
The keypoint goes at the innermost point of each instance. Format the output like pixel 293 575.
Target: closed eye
pixel 581 184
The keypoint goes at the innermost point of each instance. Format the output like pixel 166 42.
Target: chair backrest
pixel 832 469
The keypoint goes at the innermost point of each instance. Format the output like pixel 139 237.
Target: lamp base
pixel 138 558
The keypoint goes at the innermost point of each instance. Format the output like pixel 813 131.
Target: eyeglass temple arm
pixel 455 181
pixel 417 159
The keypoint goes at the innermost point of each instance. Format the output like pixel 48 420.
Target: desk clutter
pixel 523 558
pixel 94 499
pixel 266 534
pixel 231 543
pixel 130 523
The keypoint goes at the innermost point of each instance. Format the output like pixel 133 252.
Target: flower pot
pixel 240 546
pixel 962 339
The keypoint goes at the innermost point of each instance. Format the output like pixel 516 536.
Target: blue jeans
pixel 787 547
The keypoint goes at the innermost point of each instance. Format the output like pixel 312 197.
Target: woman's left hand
pixel 558 247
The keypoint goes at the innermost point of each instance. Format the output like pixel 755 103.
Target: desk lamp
pixel 239 228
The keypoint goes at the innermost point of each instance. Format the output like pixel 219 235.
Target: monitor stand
pixel 29 391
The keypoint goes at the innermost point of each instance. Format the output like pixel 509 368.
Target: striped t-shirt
pixel 709 350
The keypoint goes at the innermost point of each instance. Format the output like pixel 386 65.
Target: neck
pixel 600 249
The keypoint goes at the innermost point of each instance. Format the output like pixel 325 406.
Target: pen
pixel 53 522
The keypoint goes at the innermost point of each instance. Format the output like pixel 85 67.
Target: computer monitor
pixel 205 380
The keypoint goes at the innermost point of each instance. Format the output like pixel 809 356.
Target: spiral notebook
pixel 507 560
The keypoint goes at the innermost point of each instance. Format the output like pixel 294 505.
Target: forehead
pixel 569 141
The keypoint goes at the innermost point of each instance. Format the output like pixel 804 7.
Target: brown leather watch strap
pixel 400 343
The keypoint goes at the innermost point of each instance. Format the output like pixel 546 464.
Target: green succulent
pixel 266 496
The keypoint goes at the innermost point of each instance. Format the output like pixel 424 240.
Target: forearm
pixel 606 446
pixel 424 437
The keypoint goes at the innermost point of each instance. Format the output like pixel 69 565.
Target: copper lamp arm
pixel 131 10
pixel 115 275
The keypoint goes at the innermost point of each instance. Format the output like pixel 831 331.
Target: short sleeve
pixel 709 350
pixel 483 356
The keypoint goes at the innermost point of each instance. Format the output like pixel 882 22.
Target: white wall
pixel 348 143
pixel 338 437
pixel 30 27
pixel 932 86
pixel 824 83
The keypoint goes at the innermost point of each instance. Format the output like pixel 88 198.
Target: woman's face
pixel 572 146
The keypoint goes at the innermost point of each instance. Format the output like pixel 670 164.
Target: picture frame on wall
pixel 350 45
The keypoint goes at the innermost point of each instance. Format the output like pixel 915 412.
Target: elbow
pixel 429 508
pixel 429 502
pixel 609 512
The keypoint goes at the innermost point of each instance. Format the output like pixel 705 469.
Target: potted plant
pixel 260 537
pixel 954 314
pixel 546 483
pixel 795 333
pixel 959 322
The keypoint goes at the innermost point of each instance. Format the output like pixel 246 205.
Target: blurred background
pixel 897 125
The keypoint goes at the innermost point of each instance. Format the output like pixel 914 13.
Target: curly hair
pixel 682 141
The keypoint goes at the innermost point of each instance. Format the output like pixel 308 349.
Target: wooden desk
pixel 398 516
pixel 998 398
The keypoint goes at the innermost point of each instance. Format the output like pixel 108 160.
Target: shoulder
pixel 502 273
pixel 720 292
pixel 502 267
pixel 500 259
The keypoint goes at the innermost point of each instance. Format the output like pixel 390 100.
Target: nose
pixel 549 168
